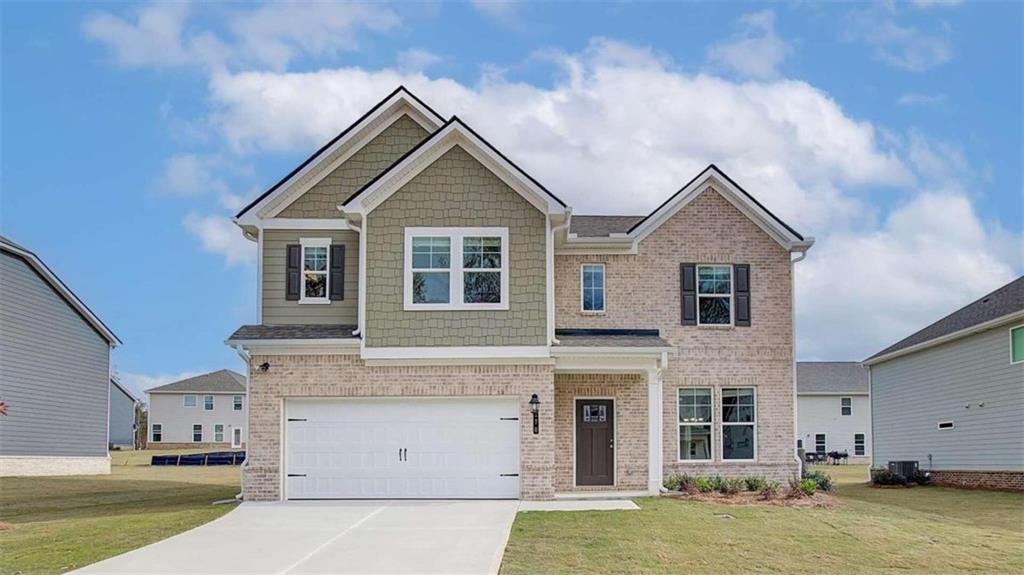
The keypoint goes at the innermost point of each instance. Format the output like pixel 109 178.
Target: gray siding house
pixel 46 391
pixel 122 416
pixel 209 410
pixel 951 396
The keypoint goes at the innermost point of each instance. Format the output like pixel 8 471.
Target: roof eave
pixel 983 326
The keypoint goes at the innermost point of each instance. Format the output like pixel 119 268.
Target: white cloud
pixel 219 235
pixel 190 175
pixel 935 3
pixel 501 10
pixel 269 36
pixel 755 50
pixel 914 99
pixel 417 60
pixel 138 383
pixel 900 46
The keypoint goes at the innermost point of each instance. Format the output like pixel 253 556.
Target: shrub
pixel 755 483
pixel 821 479
pixel 704 485
pixel 922 477
pixel 719 484
pixel 680 483
pixel 882 476
pixel 808 486
pixel 734 486
pixel 769 490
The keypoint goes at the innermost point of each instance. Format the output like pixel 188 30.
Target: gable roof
pixel 1004 303
pixel 220 381
pixel 123 389
pixel 61 288
pixel 453 132
pixel 399 96
pixel 828 377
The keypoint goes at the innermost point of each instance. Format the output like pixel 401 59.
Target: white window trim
pixel 201 432
pixel 1016 327
pixel 455 270
pixel 604 289
pixel 184 401
pixel 730 295
pixel 314 243
pixel 152 432
pixel 240 402
pixel 723 424
pixel 222 428
pixel 236 432
pixel 863 444
pixel 711 424
pixel 213 404
pixel 841 414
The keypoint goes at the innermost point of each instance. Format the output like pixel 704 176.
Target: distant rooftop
pixel 831 377
pixel 221 381
pixel 602 226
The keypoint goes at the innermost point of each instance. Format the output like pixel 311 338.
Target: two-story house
pixel 435 323
pixel 206 411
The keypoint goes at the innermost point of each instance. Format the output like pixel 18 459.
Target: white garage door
pixel 429 448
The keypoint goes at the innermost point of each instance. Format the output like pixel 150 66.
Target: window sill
pixel 741 461
pixel 585 312
pixel 456 307
pixel 314 301
pixel 715 326
pixel 695 461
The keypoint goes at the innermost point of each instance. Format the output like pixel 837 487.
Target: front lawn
pixel 924 529
pixel 63 523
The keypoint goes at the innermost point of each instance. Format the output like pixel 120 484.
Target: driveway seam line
pixel 337 536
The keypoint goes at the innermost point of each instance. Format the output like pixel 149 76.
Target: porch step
pixel 598 495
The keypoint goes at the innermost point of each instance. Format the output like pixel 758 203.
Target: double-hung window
pixel 456 268
pixel 858 444
pixel 714 295
pixel 592 288
pixel 1017 344
pixel 846 405
pixel 314 270
pixel 236 403
pixel 695 419
pixel 189 401
pixel 207 403
pixel 739 422
pixel 218 432
pixel 158 433
pixel 819 443
pixel 197 432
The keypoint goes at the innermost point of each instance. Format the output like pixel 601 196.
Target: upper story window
pixel 714 295
pixel 314 270
pixel 592 287
pixel 846 405
pixel 1017 344
pixel 189 401
pixel 456 268
pixel 207 403
pixel 236 403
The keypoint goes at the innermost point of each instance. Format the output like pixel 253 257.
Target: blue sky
pixel 891 132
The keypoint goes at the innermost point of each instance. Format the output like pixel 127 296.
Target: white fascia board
pixel 304 224
pixel 473 352
pixel 992 323
pixel 340 342
pixel 451 135
pixel 69 296
pixel 606 363
pixel 566 351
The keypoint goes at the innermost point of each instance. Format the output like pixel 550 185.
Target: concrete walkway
pixel 334 537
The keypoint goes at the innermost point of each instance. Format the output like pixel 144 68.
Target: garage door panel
pixel 452 448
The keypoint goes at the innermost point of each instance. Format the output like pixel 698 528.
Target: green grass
pixel 924 529
pixel 63 523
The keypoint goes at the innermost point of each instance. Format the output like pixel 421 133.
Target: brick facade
pixel 1000 480
pixel 349 376
pixel 642 291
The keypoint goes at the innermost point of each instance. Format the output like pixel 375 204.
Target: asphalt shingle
pixel 223 380
pixel 831 377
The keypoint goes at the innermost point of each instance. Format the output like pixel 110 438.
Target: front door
pixel 595 442
pixel 236 437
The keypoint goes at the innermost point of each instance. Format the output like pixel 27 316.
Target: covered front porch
pixel 608 410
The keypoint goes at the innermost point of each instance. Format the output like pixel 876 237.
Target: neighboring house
pixel 951 396
pixel 122 416
pixel 434 323
pixel 833 408
pixel 54 373
pixel 207 411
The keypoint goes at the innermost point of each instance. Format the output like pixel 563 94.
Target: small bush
pixel 680 483
pixel 882 476
pixel 704 485
pixel 808 486
pixel 821 479
pixel 922 478
pixel 734 486
pixel 755 483
pixel 719 484
pixel 769 490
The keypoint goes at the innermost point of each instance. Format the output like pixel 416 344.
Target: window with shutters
pixel 456 268
pixel 714 295
pixel 315 279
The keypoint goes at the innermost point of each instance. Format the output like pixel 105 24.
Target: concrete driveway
pixel 334 537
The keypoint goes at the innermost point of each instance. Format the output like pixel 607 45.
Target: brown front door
pixel 595 442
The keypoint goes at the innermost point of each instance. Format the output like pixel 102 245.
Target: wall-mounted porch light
pixel 535 410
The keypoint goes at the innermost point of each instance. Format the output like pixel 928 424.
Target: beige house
pixel 207 411
pixel 435 323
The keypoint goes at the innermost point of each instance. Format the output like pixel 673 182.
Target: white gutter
pixel 361 279
pixel 552 340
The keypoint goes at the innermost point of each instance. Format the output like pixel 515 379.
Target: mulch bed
pixel 783 499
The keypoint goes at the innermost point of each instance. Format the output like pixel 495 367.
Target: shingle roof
pixel 124 390
pixel 1002 302
pixel 609 338
pixel 304 331
pixel 602 226
pixel 831 377
pixel 223 380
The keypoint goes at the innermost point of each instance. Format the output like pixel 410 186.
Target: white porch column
pixel 654 430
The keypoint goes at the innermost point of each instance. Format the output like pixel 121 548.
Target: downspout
pixel 551 279
pixel 801 254
pixel 359 308
pixel 248 375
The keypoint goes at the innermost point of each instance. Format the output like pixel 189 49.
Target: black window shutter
pixel 293 272
pixel 741 288
pixel 337 273
pixel 688 293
